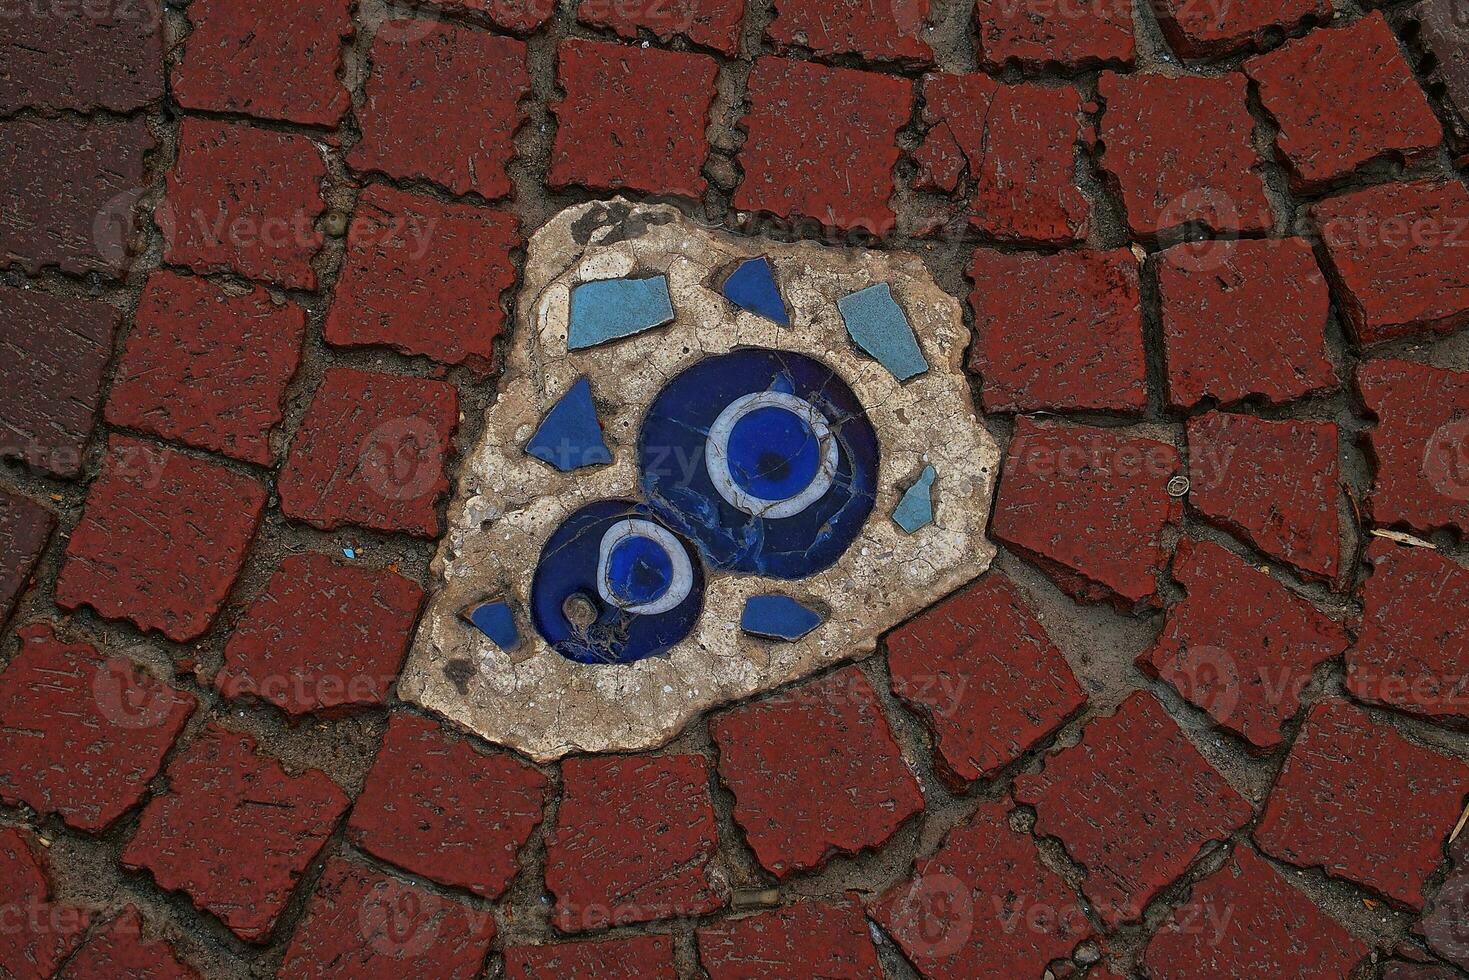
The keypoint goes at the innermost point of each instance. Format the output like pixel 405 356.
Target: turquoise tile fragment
pixel 915 511
pixel 609 309
pixel 878 325
pixel 496 621
pixel 570 437
pixel 777 617
pixel 752 287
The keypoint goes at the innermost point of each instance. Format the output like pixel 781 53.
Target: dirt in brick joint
pixel 1100 643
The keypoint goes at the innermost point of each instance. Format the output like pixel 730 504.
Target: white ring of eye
pixel 716 459
pixel 679 585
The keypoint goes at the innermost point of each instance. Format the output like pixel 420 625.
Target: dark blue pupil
pixel 773 454
pixel 638 571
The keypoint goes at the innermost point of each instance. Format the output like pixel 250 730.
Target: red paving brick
pixel 1440 26
pixel 25 527
pixel 70 194
pixel 1200 30
pixel 121 949
pixel 878 30
pixel 1348 781
pixel 983 905
pixel 522 16
pixel 1090 507
pixel 1058 332
pixel 1240 645
pixel 802 940
pixel 1420 446
pixel 1397 254
pixel 815 772
pixel 424 277
pixel 83 733
pixel 442 105
pixel 1207 173
pixel 371 451
pixel 709 23
pixel 1243 319
pixel 275 60
pixel 442 809
pixel 362 923
pixel 53 358
pixel 207 367
pixel 1443 926
pixel 161 540
pixel 244 200
pixel 829 159
pixel 1412 651
pixel 633 118
pixel 234 831
pixel 39 933
pixel 1245 920
pixel 635 840
pixel 1134 803
pixel 1274 484
pixel 987 681
pixel 81 57
pixel 322 636
pixel 1081 35
pixel 1342 98
pixel 633 958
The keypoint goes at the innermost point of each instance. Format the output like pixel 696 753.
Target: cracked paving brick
pixel 1441 33
pixel 40 933
pixel 1085 34
pixel 25 527
pixel 1206 30
pixel 629 958
pixel 708 23
pixel 81 57
pixel 877 30
pixel 804 939
pixel 1420 445
pixel 121 949
pixel 521 16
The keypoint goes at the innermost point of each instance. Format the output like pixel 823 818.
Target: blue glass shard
pixel 752 287
pixel 777 617
pixel 570 436
pixel 878 325
pixel 915 511
pixel 496 621
pixel 609 309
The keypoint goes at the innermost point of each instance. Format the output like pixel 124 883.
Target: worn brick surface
pixel 1397 253
pixel 829 158
pixel 442 809
pixel 277 59
pixel 25 527
pixel 424 277
pixel 710 23
pixel 39 933
pixel 983 905
pixel 442 105
pixel 1343 97
pixel 802 940
pixel 371 451
pixel 1418 971
pixel 244 200
pixel 53 357
pixel 1058 332
pixel 161 539
pixel 1090 507
pixel 1441 34
pixel 1412 651
pixel 1197 30
pixel 120 949
pixel 322 636
pixel 1170 175
pixel 981 672
pixel 632 958
pixel 1420 445
pixel 1080 35
pixel 1348 781
pixel 878 30
pixel 81 56
pixel 1276 484
pixel 362 923
pixel 70 192
pixel 1134 803
pixel 234 831
pixel 632 118
pixel 1445 925
pixel 83 733
pixel 1244 318
pixel 1240 645
pixel 634 840
pixel 815 772
pixel 206 367
pixel 1245 920
pixel 522 16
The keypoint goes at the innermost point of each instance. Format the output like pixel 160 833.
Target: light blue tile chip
pixel 878 325
pixel 915 511
pixel 777 617
pixel 609 309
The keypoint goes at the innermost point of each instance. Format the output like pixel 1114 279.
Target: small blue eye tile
pixel 878 325
pixel 570 437
pixel 496 621
pixel 609 309
pixel 777 617
pixel 915 511
pixel 752 287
